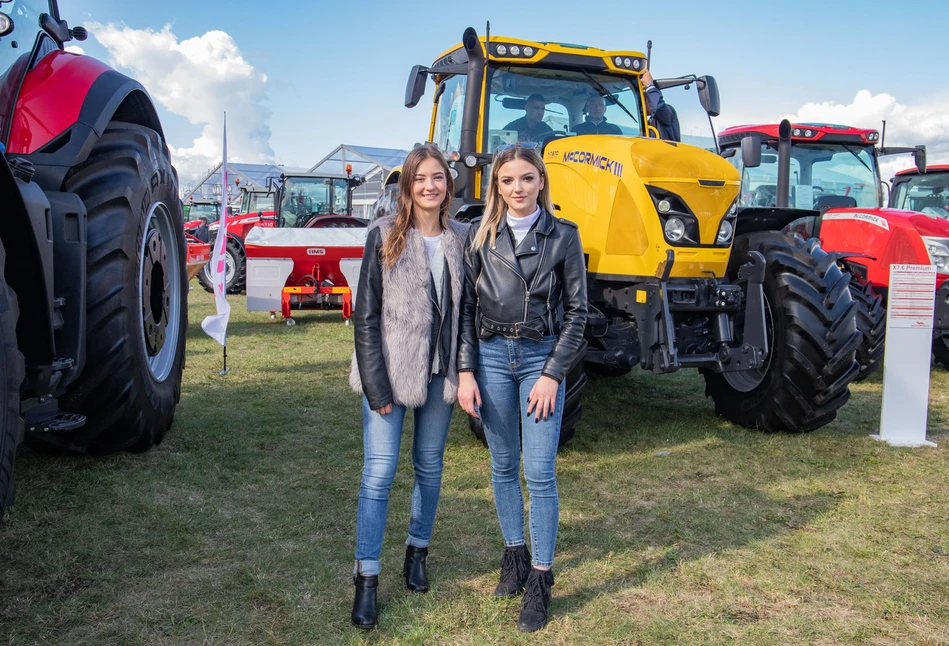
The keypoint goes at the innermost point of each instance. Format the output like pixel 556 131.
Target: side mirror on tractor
pixel 919 156
pixel 751 151
pixel 415 87
pixel 708 95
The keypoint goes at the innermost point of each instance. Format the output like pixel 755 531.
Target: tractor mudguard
pixel 64 105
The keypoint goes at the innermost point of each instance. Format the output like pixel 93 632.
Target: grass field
pixel 676 527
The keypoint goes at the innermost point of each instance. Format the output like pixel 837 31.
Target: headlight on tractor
pixel 938 249
pixel 725 232
pixel 679 224
pixel 674 228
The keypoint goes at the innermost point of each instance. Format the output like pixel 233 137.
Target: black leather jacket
pixel 367 320
pixel 542 285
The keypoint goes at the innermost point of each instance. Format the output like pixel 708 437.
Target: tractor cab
pixel 926 193
pixel 202 211
pixel 307 201
pixel 793 173
pixel 256 200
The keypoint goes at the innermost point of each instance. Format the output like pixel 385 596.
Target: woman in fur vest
pixel 406 329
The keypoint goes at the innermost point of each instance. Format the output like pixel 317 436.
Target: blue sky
pixel 336 72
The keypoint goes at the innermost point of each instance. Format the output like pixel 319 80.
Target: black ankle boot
pixel 515 566
pixel 535 606
pixel 416 577
pixel 365 615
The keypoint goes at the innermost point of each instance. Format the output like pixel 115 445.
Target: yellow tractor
pixel 768 319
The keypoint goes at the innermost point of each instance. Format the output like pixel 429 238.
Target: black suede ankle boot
pixel 515 566
pixel 535 606
pixel 416 576
pixel 365 615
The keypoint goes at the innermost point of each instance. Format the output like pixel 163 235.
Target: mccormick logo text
pixel 597 161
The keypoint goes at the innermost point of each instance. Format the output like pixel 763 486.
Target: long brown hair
pixel 394 243
pixel 495 206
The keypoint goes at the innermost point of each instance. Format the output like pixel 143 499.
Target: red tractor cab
pixel 201 215
pixel 823 181
pixel 93 283
pixel 301 262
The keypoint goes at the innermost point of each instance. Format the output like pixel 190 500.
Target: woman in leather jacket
pixel 406 318
pixel 522 321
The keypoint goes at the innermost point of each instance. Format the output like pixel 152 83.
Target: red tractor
pixel 929 194
pixel 296 264
pixel 256 210
pixel 823 181
pixel 93 289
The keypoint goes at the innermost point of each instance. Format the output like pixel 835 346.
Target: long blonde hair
pixel 394 243
pixel 495 207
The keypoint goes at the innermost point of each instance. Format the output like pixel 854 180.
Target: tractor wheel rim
pixel 160 292
pixel 747 380
pixel 230 267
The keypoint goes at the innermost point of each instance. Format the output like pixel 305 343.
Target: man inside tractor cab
pixel 595 123
pixel 531 126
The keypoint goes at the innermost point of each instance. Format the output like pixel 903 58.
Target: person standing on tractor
pixel 406 317
pixel 531 127
pixel 525 308
pixel 662 116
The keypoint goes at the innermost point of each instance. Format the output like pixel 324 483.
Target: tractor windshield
pixel 256 202
pixel 16 48
pixel 927 194
pixel 531 103
pixel 206 212
pixel 304 198
pixel 847 172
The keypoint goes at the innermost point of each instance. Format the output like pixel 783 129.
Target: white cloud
pixel 75 49
pixel 199 79
pixel 906 125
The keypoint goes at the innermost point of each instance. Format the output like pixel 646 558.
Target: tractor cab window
pixel 307 197
pixel 254 202
pixel 817 171
pixel 448 112
pixel 17 47
pixel 534 104
pixel 927 194
pixel 206 212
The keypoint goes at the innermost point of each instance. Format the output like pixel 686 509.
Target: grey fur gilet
pixel 407 315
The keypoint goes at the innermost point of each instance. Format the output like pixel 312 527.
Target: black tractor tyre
pixel 235 258
pixel 812 330
pixel 576 380
pixel 136 296
pixel 871 321
pixel 941 349
pixel 12 373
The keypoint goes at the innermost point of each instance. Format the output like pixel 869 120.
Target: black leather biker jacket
pixel 539 288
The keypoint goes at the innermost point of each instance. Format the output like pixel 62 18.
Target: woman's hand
pixel 385 410
pixel 468 394
pixel 543 397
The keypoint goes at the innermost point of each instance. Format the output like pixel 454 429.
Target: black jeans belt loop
pixel 533 329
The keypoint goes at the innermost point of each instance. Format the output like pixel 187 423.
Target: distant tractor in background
pixel 297 263
pixel 93 289
pixel 823 181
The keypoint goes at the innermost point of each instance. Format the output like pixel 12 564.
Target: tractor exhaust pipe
pixel 784 164
pixel 464 184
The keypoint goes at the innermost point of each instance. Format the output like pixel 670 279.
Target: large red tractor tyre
pixel 812 330
pixel 137 308
pixel 11 378
pixel 871 321
pixel 235 269
pixel 572 406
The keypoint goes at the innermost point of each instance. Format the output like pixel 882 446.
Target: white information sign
pixel 909 333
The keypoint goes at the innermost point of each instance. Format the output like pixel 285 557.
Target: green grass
pixel 676 527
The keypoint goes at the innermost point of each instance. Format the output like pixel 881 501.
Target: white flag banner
pixel 215 325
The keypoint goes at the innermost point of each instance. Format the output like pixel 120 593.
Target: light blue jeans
pixel 382 435
pixel 507 370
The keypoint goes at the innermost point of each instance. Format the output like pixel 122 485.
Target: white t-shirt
pixel 520 226
pixel 436 260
